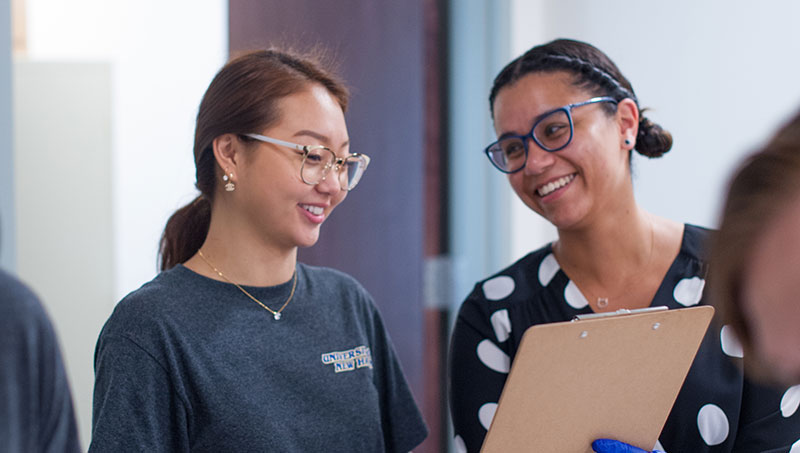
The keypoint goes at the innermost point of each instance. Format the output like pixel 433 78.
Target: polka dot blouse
pixel 717 410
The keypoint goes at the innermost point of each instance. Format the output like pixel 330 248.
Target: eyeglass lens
pixel 552 132
pixel 320 161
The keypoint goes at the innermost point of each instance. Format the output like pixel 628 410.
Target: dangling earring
pixel 229 186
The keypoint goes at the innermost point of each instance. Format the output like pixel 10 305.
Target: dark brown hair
pixel 592 71
pixel 242 98
pixel 763 186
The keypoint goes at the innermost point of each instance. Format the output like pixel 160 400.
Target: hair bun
pixel 652 141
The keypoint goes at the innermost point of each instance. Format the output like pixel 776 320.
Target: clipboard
pixel 604 377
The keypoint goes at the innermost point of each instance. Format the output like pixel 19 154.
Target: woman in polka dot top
pixel 567 121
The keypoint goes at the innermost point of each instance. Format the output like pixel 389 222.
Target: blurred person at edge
pixel 567 123
pixel 755 257
pixel 36 410
pixel 236 346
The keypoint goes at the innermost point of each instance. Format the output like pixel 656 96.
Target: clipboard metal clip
pixel 622 311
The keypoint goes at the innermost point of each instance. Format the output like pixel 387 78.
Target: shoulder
pixel 163 298
pixel 534 271
pixel 521 281
pixel 12 287
pixel 684 282
pixel 343 296
pixel 695 238
pixel 26 332
pixel 326 275
pixel 319 279
pixel 20 307
pixel 695 242
pixel 158 291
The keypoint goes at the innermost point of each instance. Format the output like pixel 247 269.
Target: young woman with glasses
pixel 235 346
pixel 567 122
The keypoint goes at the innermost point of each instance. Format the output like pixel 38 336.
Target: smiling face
pixel 273 199
pixel 587 178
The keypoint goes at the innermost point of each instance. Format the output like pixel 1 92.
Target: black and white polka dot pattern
pixel 498 288
pixel 501 325
pixel 730 343
pixel 710 414
pixel 790 401
pixel 713 424
pixel 689 291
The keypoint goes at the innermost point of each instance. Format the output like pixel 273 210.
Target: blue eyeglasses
pixel 552 131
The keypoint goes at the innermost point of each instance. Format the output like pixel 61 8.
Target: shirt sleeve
pixel 135 407
pixel 402 423
pixel 769 419
pixel 479 365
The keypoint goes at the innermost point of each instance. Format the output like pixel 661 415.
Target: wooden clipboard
pixel 607 377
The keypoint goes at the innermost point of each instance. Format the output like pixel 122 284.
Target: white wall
pixel 160 57
pixel 167 56
pixel 476 199
pixel 720 75
pixel 7 231
pixel 62 130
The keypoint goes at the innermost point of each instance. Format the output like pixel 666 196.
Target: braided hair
pixel 592 71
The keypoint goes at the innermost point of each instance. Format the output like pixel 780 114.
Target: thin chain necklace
pixel 275 314
pixel 602 302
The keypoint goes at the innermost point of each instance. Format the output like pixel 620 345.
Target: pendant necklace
pixel 602 302
pixel 275 314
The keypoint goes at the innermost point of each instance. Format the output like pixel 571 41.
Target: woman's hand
pixel 615 446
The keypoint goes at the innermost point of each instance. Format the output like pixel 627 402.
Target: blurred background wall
pixel 97 105
pixel 7 231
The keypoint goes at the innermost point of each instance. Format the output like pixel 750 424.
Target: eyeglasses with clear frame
pixel 552 131
pixel 318 161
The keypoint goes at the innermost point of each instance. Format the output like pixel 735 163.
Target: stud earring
pixel 627 142
pixel 229 186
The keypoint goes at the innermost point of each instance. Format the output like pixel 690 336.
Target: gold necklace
pixel 275 314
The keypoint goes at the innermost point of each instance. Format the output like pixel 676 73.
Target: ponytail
pixel 185 233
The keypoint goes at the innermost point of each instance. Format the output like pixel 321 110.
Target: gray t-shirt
pixel 187 363
pixel 36 413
